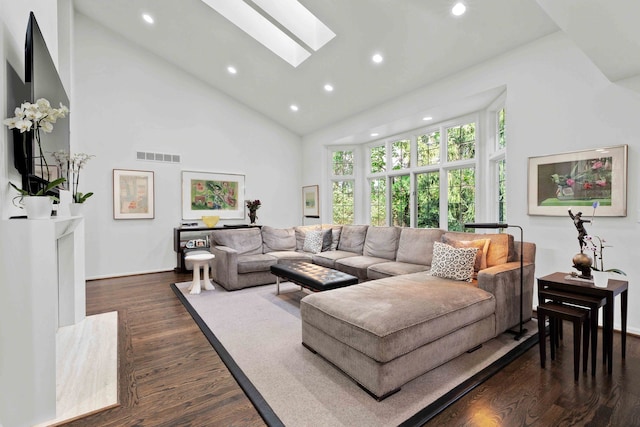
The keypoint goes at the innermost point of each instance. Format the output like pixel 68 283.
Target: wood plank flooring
pixel 171 376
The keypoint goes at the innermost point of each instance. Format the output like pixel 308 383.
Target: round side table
pixel 200 260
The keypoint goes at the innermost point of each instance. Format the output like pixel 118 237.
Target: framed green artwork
pixel 579 179
pixel 205 194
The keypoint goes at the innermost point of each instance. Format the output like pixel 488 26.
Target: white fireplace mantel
pixel 42 277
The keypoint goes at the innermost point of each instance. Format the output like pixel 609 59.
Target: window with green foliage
pixel 461 142
pixel 378 199
pixel 401 154
pixel 428 199
pixel 401 200
pixel 343 200
pixel 429 149
pixel 343 163
pixel 378 159
pixel 501 118
pixel 502 191
pixel 461 198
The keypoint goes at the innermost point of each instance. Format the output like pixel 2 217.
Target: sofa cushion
pixel 501 248
pixel 335 235
pixel 254 263
pixel 393 268
pixel 415 245
pixel 246 241
pixel 387 318
pixel 352 238
pixel 381 242
pixel 301 232
pixel 357 265
pixel 278 239
pixel 290 256
pixel 328 258
pixel 481 244
pixel 453 263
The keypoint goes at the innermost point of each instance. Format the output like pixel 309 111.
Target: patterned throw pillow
pixel 481 244
pixel 313 241
pixel 453 263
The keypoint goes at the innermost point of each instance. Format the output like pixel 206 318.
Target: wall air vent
pixel 157 157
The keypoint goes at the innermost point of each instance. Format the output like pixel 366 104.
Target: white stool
pixel 200 260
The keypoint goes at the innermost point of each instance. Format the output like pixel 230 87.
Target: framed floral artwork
pixel 133 194
pixel 579 179
pixel 205 194
pixel 310 205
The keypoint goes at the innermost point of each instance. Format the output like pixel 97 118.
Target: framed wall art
pixel 133 194
pixel 205 194
pixel 579 179
pixel 310 204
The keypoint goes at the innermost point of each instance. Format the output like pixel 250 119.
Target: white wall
pixel 126 100
pixel 557 101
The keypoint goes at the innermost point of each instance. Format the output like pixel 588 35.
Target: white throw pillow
pixel 313 241
pixel 453 263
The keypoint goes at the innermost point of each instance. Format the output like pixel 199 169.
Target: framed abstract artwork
pixel 205 194
pixel 310 204
pixel 133 194
pixel 579 179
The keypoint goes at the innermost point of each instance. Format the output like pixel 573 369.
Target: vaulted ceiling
pixel 420 40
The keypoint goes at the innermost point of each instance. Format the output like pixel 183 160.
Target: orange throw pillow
pixel 481 244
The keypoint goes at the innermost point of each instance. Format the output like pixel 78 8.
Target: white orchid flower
pixel 46 127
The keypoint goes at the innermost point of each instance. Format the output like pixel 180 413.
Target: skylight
pixel 290 14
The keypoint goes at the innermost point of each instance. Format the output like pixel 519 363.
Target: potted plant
pixel 253 206
pixel 36 117
pixel 71 165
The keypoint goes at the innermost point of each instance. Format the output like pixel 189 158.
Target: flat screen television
pixel 43 81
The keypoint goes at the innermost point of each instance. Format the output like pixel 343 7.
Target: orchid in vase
pixel 36 117
pixel 71 165
pixel 596 244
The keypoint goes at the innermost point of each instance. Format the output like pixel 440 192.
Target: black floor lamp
pixel 522 331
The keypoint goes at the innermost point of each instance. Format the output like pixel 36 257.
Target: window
pixel 378 159
pixel 428 199
pixel 401 200
pixel 401 154
pixel 378 197
pixel 461 142
pixel 342 186
pixel 461 198
pixel 429 178
pixel 429 149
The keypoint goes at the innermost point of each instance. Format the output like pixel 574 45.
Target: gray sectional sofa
pixel 407 315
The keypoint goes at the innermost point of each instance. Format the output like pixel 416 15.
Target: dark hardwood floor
pixel 171 376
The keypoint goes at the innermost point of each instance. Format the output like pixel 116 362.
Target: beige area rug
pixel 290 385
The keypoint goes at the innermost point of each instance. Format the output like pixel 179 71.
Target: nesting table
pixel 565 283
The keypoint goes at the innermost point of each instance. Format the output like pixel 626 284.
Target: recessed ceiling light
pixel 294 107
pixel 426 119
pixel 377 58
pixel 458 9
pixel 147 18
pixel 232 70
pixel 328 87
pixel 375 134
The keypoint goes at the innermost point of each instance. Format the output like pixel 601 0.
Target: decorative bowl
pixel 210 221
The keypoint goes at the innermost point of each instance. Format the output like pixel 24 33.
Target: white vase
pixel 38 207
pixel 77 209
pixel 600 278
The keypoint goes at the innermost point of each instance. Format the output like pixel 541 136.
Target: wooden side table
pixel 564 282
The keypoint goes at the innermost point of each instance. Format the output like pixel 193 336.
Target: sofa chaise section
pixel 384 333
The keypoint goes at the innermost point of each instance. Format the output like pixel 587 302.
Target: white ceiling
pixel 420 40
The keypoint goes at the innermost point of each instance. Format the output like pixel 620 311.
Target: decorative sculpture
pixel 581 261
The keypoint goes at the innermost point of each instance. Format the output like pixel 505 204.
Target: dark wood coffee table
pixel 314 277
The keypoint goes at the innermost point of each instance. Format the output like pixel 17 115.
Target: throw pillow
pixel 453 263
pixel 327 239
pixel 481 244
pixel 313 241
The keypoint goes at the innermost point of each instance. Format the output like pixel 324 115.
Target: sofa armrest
pixel 225 266
pixel 503 281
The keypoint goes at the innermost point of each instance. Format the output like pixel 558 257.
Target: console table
pixel 181 251
pixel 615 287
